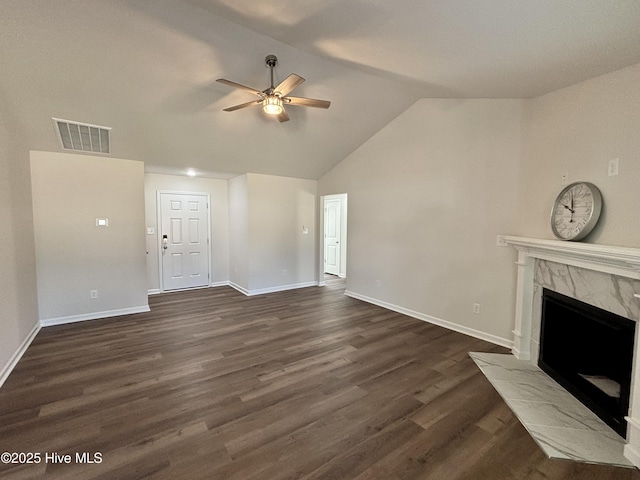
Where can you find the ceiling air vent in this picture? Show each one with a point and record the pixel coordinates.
(82, 137)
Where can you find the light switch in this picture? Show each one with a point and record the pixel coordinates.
(102, 222)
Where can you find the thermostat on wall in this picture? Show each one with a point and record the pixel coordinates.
(102, 222)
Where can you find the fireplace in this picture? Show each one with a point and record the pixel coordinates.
(604, 276)
(589, 351)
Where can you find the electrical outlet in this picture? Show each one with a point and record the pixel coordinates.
(565, 178)
(612, 169)
(476, 308)
(94, 293)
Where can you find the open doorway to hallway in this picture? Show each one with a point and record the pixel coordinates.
(334, 282)
(334, 236)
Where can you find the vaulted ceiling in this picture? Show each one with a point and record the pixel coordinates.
(148, 69)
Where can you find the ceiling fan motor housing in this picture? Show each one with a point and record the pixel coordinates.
(271, 60)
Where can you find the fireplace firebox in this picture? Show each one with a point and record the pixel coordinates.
(589, 351)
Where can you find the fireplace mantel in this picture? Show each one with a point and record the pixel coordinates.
(621, 261)
(612, 260)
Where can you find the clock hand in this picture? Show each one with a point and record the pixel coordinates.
(571, 201)
(571, 209)
(568, 208)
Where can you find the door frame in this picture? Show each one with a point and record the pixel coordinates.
(343, 197)
(159, 193)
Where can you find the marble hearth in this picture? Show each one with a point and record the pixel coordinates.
(561, 426)
(607, 277)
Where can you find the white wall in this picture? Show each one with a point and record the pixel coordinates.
(269, 249)
(428, 195)
(219, 218)
(75, 256)
(578, 130)
(18, 287)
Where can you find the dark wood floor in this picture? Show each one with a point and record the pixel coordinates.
(305, 384)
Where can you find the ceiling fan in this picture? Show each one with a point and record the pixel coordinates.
(273, 99)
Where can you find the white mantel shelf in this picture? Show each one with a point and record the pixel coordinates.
(622, 261)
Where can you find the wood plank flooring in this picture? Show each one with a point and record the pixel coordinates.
(299, 385)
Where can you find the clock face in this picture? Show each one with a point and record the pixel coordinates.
(576, 211)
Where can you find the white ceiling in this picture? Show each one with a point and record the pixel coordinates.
(148, 68)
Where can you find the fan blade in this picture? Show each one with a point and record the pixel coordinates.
(288, 84)
(283, 117)
(307, 102)
(241, 87)
(242, 105)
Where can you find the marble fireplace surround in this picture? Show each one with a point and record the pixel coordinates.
(601, 275)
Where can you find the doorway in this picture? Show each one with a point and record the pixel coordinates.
(335, 235)
(184, 240)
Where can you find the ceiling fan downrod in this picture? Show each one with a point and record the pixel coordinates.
(271, 61)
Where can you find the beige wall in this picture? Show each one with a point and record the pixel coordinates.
(428, 195)
(18, 287)
(75, 256)
(279, 209)
(269, 249)
(239, 232)
(578, 130)
(219, 218)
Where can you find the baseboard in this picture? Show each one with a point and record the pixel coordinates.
(249, 293)
(48, 322)
(503, 342)
(631, 451)
(279, 288)
(156, 291)
(632, 455)
(13, 361)
(282, 288)
(237, 287)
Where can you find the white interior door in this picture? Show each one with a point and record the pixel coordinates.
(332, 209)
(184, 242)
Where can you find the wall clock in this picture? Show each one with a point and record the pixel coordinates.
(576, 211)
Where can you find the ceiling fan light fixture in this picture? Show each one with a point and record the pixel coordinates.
(272, 104)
